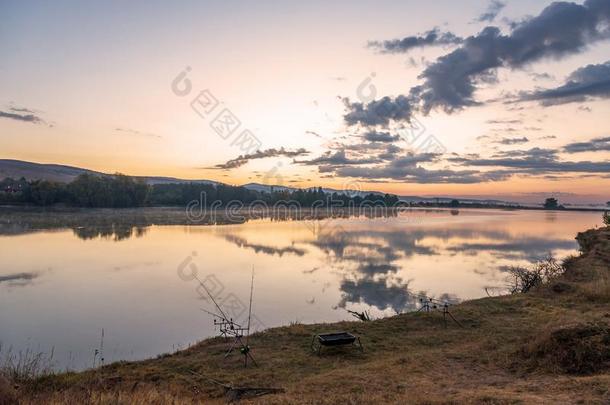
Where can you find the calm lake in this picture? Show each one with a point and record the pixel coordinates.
(60, 286)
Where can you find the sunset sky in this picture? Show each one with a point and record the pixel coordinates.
(483, 99)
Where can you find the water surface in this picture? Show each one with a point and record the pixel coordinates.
(59, 287)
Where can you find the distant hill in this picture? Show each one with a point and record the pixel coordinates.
(17, 169)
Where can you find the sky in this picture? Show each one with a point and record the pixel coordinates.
(482, 99)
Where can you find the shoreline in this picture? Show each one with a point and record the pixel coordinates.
(62, 209)
(543, 346)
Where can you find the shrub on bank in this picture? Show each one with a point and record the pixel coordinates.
(524, 279)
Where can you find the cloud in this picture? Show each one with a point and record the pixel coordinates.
(378, 159)
(374, 136)
(594, 145)
(22, 110)
(560, 29)
(430, 38)
(138, 133)
(18, 279)
(337, 158)
(367, 147)
(586, 83)
(406, 168)
(531, 249)
(512, 141)
(268, 153)
(314, 133)
(492, 11)
(378, 112)
(535, 161)
(381, 292)
(370, 151)
(418, 174)
(23, 115)
(506, 121)
(450, 83)
(266, 249)
(541, 76)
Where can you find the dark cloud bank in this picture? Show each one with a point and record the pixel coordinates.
(450, 83)
(584, 84)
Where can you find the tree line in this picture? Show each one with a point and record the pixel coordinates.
(120, 191)
(87, 190)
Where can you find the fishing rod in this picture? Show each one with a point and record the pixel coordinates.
(211, 297)
(436, 304)
(228, 327)
(247, 348)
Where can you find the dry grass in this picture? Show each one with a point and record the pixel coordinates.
(24, 365)
(523, 348)
(575, 349)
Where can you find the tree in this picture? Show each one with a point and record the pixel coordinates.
(118, 191)
(43, 192)
(454, 203)
(606, 218)
(551, 204)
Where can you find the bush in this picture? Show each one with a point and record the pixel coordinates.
(523, 279)
(606, 218)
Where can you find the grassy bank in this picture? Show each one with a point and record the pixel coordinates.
(551, 345)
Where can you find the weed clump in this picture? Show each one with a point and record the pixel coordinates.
(25, 365)
(8, 396)
(577, 349)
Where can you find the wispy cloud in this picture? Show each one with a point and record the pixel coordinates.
(535, 161)
(22, 110)
(314, 133)
(22, 114)
(138, 133)
(434, 37)
(374, 136)
(18, 279)
(337, 158)
(387, 162)
(504, 121)
(266, 249)
(512, 141)
(594, 145)
(268, 153)
(492, 11)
